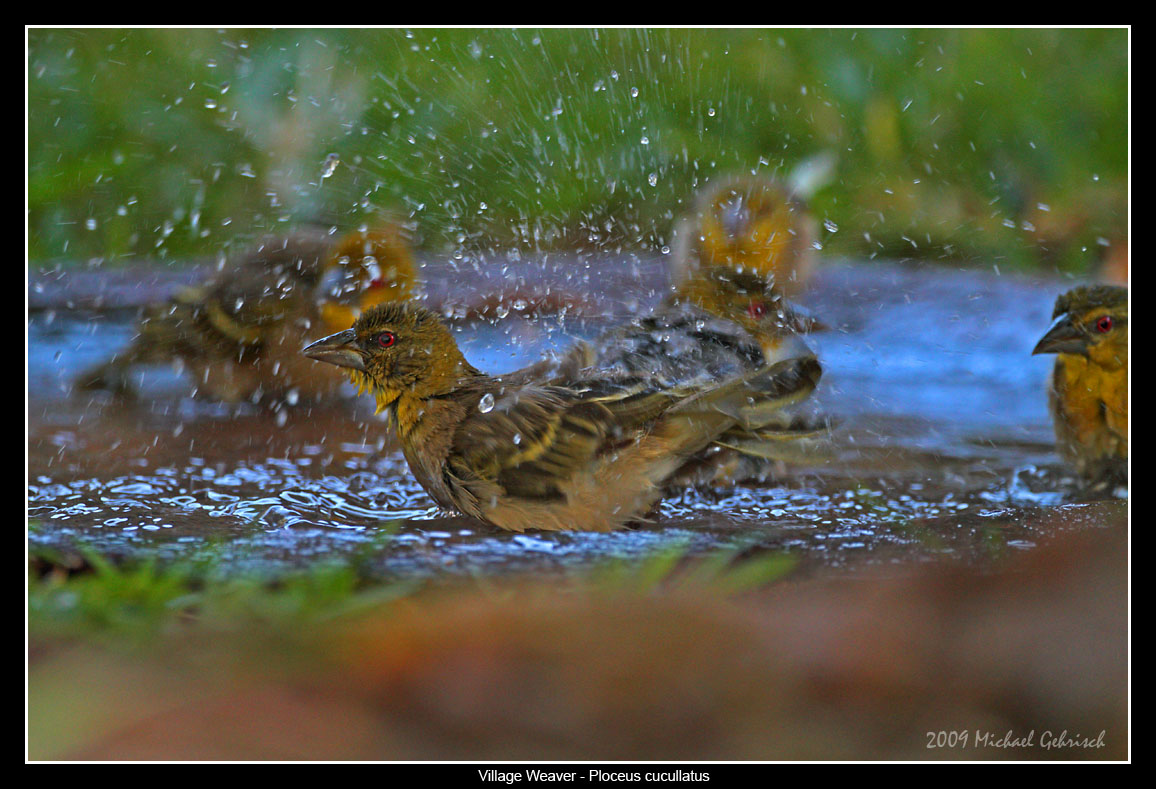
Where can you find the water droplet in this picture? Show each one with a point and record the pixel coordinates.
(486, 404)
(331, 162)
(831, 226)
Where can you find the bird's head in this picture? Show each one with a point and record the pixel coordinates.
(365, 268)
(748, 223)
(747, 298)
(394, 349)
(1090, 321)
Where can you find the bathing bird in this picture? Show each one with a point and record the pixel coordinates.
(1088, 390)
(588, 450)
(720, 323)
(238, 334)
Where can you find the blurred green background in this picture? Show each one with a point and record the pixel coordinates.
(992, 147)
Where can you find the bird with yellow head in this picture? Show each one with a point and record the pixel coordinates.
(238, 334)
(1088, 390)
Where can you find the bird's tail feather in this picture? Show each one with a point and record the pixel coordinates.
(747, 403)
(796, 442)
(757, 399)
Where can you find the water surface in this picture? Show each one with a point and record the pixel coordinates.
(943, 442)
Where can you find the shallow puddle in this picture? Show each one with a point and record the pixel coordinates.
(943, 442)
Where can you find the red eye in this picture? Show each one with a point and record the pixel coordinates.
(756, 309)
(385, 339)
(1104, 324)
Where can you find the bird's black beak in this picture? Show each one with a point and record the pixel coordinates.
(1062, 337)
(337, 349)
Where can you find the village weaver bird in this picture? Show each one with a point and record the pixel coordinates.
(719, 324)
(1088, 391)
(239, 333)
(748, 224)
(587, 451)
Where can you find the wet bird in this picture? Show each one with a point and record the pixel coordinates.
(590, 450)
(714, 322)
(719, 324)
(1088, 391)
(719, 319)
(748, 224)
(239, 333)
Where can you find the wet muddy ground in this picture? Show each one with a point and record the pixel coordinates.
(943, 444)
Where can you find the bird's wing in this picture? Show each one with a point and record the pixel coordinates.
(678, 345)
(554, 369)
(532, 441)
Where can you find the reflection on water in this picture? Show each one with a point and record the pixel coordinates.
(944, 445)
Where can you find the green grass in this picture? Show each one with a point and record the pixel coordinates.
(139, 600)
(176, 144)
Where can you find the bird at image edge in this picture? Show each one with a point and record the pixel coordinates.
(589, 451)
(1088, 390)
(239, 333)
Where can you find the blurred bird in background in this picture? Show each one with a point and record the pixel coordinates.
(239, 333)
(754, 224)
(366, 268)
(1088, 391)
(590, 449)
